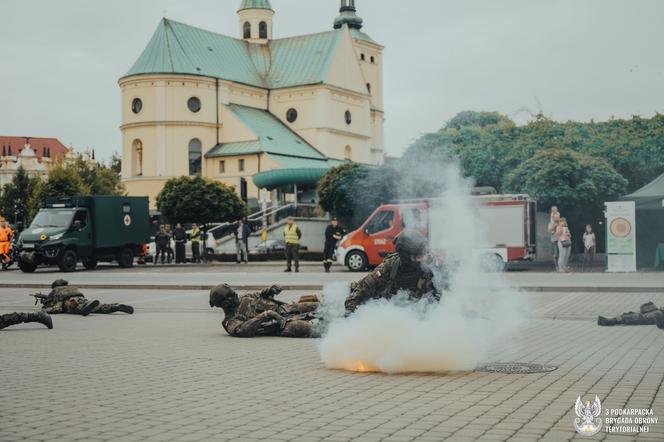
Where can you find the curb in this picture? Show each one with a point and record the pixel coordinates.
(304, 287)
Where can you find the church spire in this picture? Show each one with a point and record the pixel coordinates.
(347, 16)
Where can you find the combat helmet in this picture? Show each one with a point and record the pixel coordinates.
(410, 244)
(224, 296)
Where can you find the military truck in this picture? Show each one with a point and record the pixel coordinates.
(89, 229)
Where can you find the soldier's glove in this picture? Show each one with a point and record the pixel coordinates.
(271, 292)
(276, 317)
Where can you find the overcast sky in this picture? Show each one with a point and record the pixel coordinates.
(572, 59)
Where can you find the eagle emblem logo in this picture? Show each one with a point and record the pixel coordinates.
(588, 422)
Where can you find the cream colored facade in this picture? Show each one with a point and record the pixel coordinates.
(157, 139)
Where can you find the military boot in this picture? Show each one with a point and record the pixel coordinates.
(89, 308)
(42, 317)
(128, 309)
(659, 321)
(601, 320)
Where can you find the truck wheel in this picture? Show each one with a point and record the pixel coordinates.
(27, 267)
(492, 263)
(356, 261)
(68, 261)
(90, 264)
(126, 258)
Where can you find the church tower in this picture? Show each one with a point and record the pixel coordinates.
(347, 16)
(256, 21)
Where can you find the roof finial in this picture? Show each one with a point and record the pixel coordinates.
(347, 16)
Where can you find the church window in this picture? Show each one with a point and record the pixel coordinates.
(247, 30)
(137, 105)
(240, 165)
(291, 115)
(262, 30)
(222, 167)
(369, 87)
(137, 158)
(348, 153)
(362, 57)
(195, 156)
(348, 117)
(373, 59)
(194, 104)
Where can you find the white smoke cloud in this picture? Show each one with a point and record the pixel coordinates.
(478, 313)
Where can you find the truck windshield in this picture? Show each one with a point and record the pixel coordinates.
(53, 218)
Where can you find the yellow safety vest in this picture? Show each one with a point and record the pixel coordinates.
(196, 235)
(290, 234)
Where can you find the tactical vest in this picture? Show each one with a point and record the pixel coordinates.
(290, 234)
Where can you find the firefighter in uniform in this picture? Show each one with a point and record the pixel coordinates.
(195, 244)
(401, 271)
(292, 236)
(648, 314)
(259, 314)
(6, 234)
(333, 234)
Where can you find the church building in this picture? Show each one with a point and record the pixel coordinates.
(268, 116)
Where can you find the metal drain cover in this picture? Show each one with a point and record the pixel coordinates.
(515, 368)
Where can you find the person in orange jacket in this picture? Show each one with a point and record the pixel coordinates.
(6, 234)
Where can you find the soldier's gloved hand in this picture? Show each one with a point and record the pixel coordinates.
(277, 317)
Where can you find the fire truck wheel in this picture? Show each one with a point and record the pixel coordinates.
(492, 263)
(356, 261)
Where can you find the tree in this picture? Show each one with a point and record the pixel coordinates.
(20, 199)
(64, 180)
(199, 200)
(99, 179)
(352, 191)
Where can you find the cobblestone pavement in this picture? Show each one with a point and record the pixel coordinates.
(170, 373)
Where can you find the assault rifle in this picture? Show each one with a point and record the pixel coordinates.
(39, 297)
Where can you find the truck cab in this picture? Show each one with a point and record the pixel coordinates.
(367, 246)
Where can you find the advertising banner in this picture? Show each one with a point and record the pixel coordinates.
(621, 236)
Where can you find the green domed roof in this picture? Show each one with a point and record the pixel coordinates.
(255, 4)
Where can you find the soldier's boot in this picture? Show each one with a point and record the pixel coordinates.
(89, 308)
(19, 318)
(601, 320)
(299, 329)
(108, 309)
(659, 320)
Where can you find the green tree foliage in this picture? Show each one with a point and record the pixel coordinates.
(64, 180)
(352, 191)
(99, 179)
(199, 200)
(567, 179)
(19, 199)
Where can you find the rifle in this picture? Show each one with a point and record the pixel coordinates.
(39, 297)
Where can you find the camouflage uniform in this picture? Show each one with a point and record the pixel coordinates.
(19, 318)
(259, 314)
(65, 298)
(648, 314)
(406, 270)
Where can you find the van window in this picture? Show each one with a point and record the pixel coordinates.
(413, 218)
(381, 222)
(82, 217)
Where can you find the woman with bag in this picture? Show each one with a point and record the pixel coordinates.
(564, 245)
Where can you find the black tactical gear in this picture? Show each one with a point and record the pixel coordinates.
(223, 296)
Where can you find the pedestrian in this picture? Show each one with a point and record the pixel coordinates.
(6, 234)
(161, 241)
(180, 238)
(195, 243)
(552, 227)
(242, 241)
(333, 234)
(169, 247)
(589, 247)
(564, 238)
(292, 237)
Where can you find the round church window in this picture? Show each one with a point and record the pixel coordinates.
(194, 104)
(348, 117)
(291, 115)
(136, 105)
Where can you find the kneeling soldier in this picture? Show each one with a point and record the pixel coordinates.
(649, 315)
(65, 298)
(259, 314)
(20, 318)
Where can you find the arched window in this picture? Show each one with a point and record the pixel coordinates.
(373, 59)
(369, 87)
(247, 30)
(362, 57)
(137, 158)
(348, 153)
(195, 156)
(262, 30)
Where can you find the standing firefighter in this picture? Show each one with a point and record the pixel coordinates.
(648, 314)
(6, 234)
(259, 314)
(65, 298)
(20, 318)
(292, 236)
(401, 271)
(195, 244)
(333, 234)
